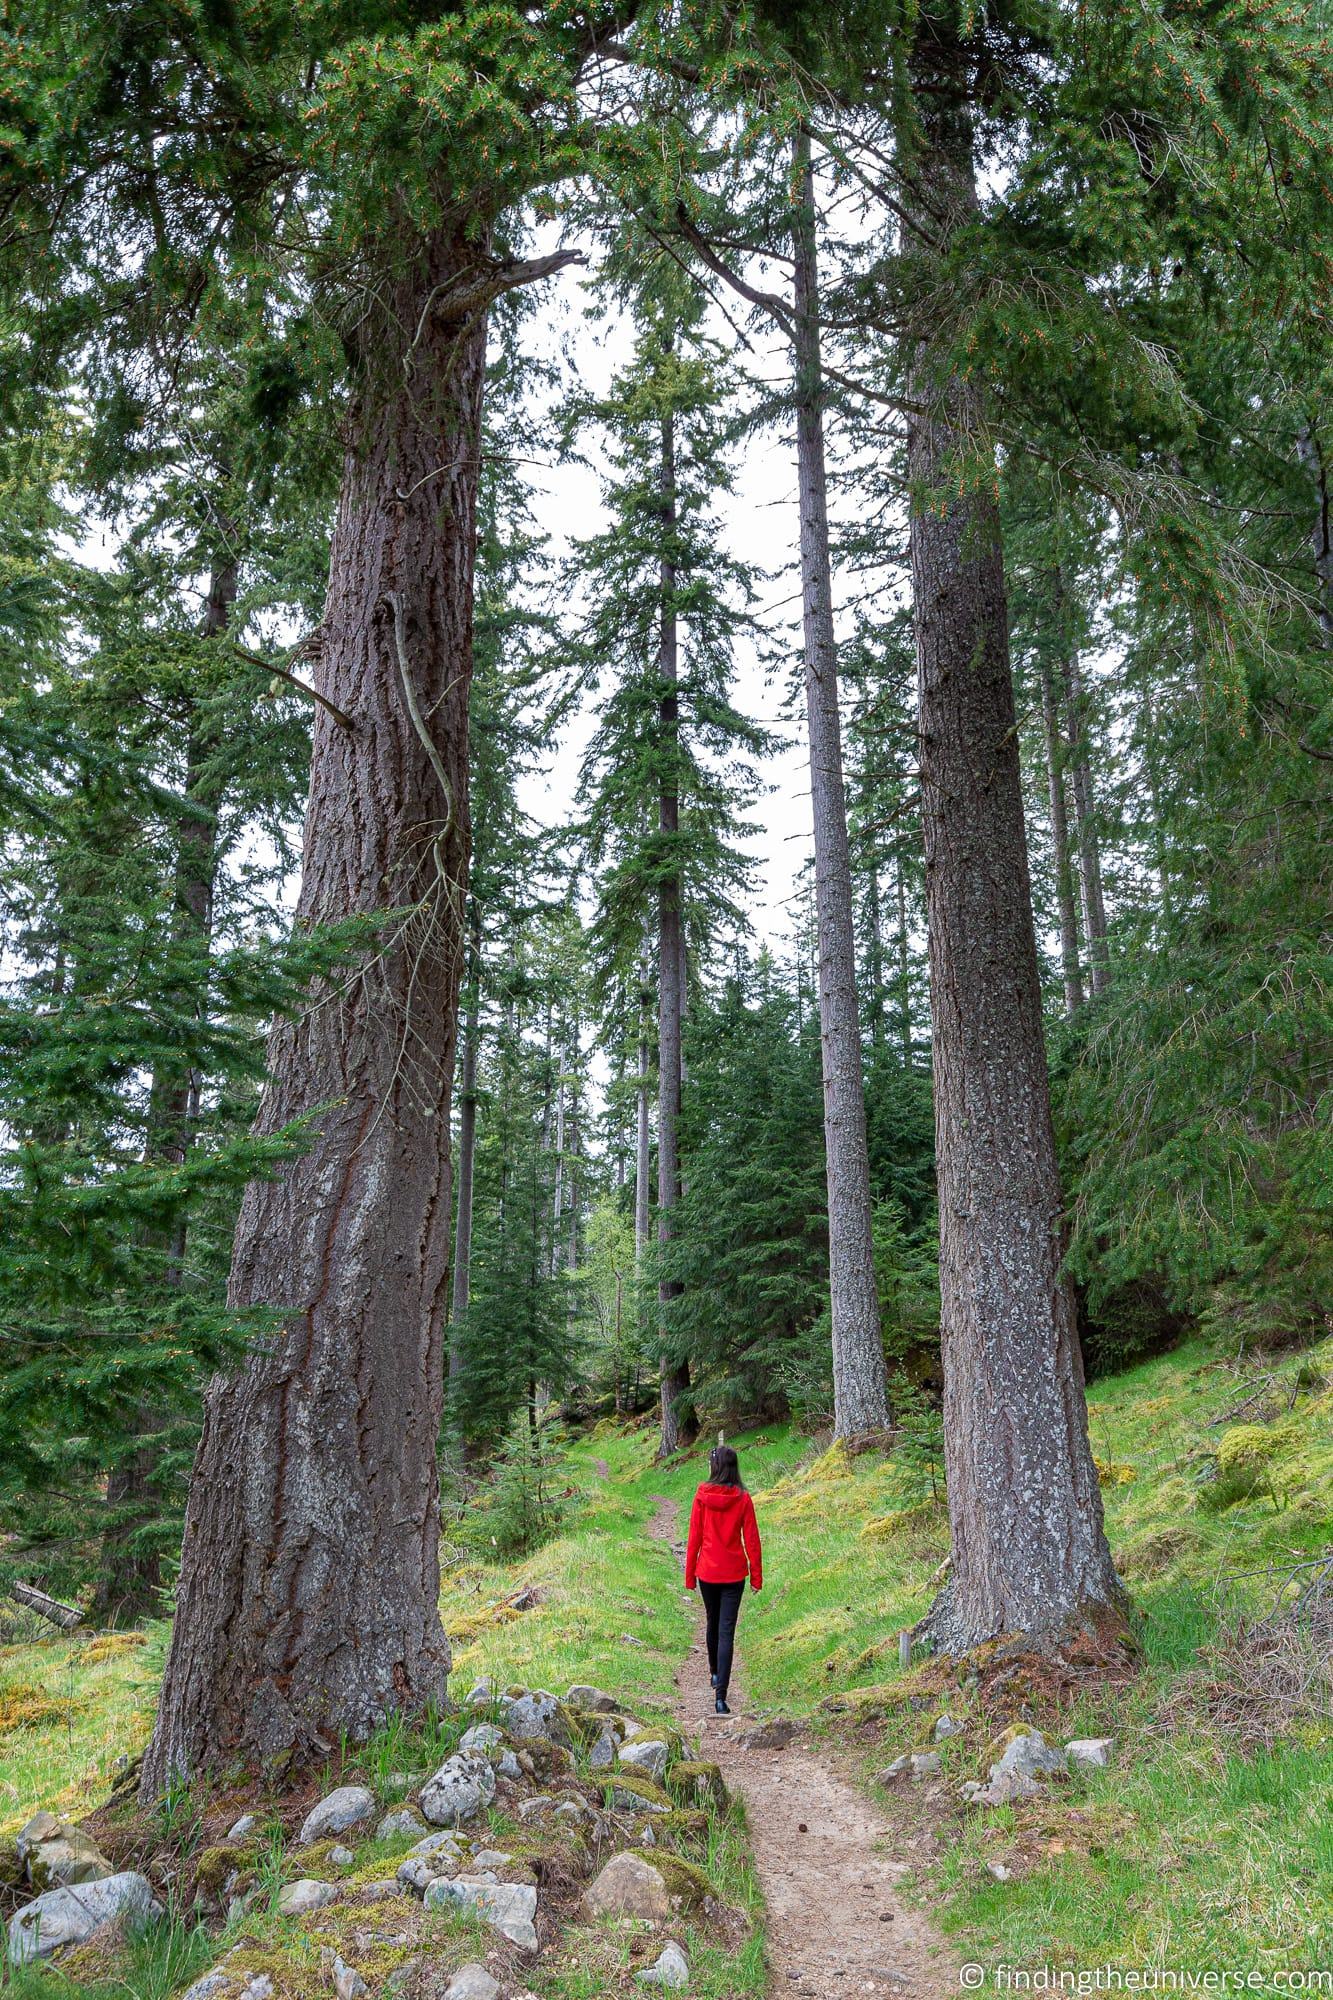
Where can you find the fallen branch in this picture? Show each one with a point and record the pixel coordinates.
(63, 1615)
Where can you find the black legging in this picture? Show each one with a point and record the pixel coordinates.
(722, 1602)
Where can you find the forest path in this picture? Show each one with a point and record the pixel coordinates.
(835, 1923)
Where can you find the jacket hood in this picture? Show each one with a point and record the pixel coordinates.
(719, 1496)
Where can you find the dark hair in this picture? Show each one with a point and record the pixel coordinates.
(724, 1467)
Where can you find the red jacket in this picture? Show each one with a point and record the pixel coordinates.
(724, 1538)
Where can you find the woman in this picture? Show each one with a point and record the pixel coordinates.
(722, 1550)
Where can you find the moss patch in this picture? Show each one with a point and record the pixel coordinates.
(699, 1781)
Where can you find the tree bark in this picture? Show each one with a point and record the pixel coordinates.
(307, 1605)
(904, 962)
(859, 1395)
(1085, 814)
(675, 1375)
(467, 1141)
(1070, 967)
(1310, 452)
(1029, 1553)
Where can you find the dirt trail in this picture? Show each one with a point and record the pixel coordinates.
(836, 1926)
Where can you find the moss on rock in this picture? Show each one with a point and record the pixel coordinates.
(685, 1880)
(215, 1866)
(639, 1784)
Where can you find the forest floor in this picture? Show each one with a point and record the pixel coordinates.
(1207, 1844)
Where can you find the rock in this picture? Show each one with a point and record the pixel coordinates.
(420, 1870)
(925, 1763)
(335, 1813)
(347, 1981)
(671, 1969)
(479, 1694)
(299, 1898)
(481, 1736)
(700, 1781)
(490, 1858)
(632, 1802)
(538, 1715)
(1091, 1753)
(64, 1858)
(438, 1843)
(472, 1982)
(214, 1982)
(628, 1886)
(603, 1751)
(395, 1825)
(946, 1726)
(509, 1766)
(68, 1916)
(775, 1735)
(509, 1906)
(258, 1987)
(458, 1791)
(534, 1808)
(892, 1771)
(596, 1699)
(1006, 1788)
(646, 1755)
(341, 1857)
(382, 1891)
(242, 1828)
(999, 1871)
(1031, 1756)
(42, 1826)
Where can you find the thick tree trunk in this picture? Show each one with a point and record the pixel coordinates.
(467, 1142)
(1070, 967)
(310, 1573)
(1029, 1554)
(1085, 814)
(130, 1578)
(859, 1397)
(675, 1374)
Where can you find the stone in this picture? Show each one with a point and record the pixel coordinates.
(1031, 1756)
(214, 1982)
(341, 1857)
(535, 1807)
(628, 1886)
(633, 1802)
(242, 1828)
(383, 1891)
(1006, 1788)
(258, 1987)
(490, 1858)
(646, 1755)
(472, 1982)
(892, 1771)
(999, 1871)
(335, 1813)
(479, 1694)
(1091, 1753)
(298, 1899)
(420, 1870)
(603, 1751)
(509, 1766)
(462, 1786)
(925, 1763)
(510, 1907)
(395, 1825)
(436, 1843)
(947, 1726)
(481, 1736)
(42, 1826)
(65, 1858)
(68, 1916)
(596, 1699)
(347, 1981)
(538, 1715)
(672, 1969)
(775, 1735)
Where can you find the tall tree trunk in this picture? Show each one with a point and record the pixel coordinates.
(1310, 451)
(859, 1397)
(642, 1135)
(130, 1578)
(467, 1141)
(308, 1599)
(1064, 874)
(675, 1375)
(1029, 1553)
(876, 966)
(1085, 814)
(904, 961)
